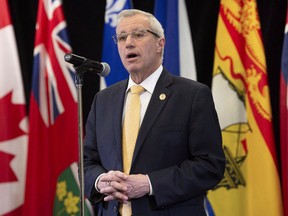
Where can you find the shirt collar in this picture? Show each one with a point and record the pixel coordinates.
(150, 82)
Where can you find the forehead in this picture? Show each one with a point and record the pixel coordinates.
(132, 23)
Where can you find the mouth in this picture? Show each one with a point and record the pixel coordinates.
(131, 56)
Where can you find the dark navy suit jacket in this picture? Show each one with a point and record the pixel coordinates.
(179, 146)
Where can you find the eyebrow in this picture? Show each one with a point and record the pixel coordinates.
(137, 29)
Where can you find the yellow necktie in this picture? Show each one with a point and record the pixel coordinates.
(131, 127)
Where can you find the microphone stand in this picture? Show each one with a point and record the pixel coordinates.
(79, 84)
(81, 66)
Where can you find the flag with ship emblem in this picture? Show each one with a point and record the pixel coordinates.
(240, 89)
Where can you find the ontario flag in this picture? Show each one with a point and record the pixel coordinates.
(110, 50)
(179, 54)
(13, 121)
(53, 142)
(240, 88)
(284, 118)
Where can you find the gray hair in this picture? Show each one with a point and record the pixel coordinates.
(155, 25)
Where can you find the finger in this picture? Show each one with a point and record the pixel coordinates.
(114, 176)
(120, 196)
(120, 175)
(116, 196)
(109, 198)
(119, 186)
(107, 190)
(108, 183)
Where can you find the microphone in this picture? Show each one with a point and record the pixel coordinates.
(101, 68)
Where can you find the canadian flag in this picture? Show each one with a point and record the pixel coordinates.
(13, 121)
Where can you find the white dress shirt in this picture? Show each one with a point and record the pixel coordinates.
(149, 85)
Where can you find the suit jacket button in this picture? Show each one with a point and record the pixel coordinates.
(115, 209)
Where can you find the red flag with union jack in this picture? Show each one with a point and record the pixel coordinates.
(13, 121)
(53, 144)
(284, 118)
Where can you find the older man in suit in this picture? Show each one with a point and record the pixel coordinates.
(176, 154)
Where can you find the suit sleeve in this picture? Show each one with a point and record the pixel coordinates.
(92, 163)
(205, 165)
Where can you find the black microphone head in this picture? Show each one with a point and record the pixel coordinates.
(67, 57)
(74, 59)
(105, 70)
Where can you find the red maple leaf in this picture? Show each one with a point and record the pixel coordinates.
(10, 117)
(6, 174)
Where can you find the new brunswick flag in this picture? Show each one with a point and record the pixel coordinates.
(251, 184)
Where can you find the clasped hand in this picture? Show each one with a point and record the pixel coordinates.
(117, 185)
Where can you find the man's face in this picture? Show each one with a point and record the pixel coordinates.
(140, 53)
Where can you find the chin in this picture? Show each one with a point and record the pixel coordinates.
(132, 68)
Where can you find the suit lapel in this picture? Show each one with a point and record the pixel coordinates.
(118, 97)
(159, 98)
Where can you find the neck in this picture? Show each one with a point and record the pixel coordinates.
(140, 76)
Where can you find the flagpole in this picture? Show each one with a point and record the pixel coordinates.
(79, 84)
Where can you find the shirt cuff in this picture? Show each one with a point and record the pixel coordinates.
(96, 182)
(150, 186)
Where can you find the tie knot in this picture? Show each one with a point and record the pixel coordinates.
(136, 89)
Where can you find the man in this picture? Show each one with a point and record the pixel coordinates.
(178, 154)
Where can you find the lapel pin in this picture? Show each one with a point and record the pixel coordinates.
(162, 97)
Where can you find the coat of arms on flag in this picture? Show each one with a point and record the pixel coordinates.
(242, 100)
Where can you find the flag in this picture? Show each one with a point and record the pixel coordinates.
(53, 140)
(284, 118)
(178, 53)
(65, 202)
(110, 50)
(240, 89)
(13, 121)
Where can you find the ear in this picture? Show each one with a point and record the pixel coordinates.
(160, 44)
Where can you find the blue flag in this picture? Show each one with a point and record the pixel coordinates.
(109, 51)
(178, 54)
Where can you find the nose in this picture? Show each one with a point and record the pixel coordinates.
(129, 41)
